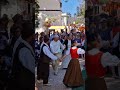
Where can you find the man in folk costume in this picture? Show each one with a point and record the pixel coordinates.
(56, 47)
(23, 64)
(45, 57)
(96, 63)
(73, 75)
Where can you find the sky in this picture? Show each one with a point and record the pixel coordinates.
(70, 6)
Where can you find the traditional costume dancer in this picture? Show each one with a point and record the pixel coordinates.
(96, 63)
(73, 75)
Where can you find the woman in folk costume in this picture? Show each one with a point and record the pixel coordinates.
(67, 56)
(96, 63)
(73, 75)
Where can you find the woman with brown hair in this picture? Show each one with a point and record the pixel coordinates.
(73, 75)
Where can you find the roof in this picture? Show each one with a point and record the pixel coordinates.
(57, 27)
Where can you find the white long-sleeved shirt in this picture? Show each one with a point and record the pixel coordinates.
(26, 56)
(56, 46)
(79, 51)
(107, 59)
(47, 52)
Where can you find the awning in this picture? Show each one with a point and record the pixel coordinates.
(57, 27)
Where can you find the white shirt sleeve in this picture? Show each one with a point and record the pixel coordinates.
(83, 42)
(108, 59)
(67, 52)
(80, 51)
(48, 53)
(62, 46)
(52, 48)
(27, 59)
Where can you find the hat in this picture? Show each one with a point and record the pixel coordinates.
(56, 36)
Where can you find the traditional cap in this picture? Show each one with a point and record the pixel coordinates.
(56, 36)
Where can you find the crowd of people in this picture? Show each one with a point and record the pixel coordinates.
(103, 46)
(99, 43)
(21, 50)
(56, 48)
(17, 60)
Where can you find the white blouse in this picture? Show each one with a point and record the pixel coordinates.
(107, 59)
(79, 51)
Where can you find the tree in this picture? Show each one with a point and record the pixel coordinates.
(36, 13)
(82, 9)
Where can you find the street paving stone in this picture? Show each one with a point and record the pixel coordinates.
(56, 81)
(57, 84)
(112, 84)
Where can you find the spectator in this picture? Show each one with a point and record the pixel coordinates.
(23, 66)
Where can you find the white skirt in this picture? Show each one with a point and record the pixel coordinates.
(66, 61)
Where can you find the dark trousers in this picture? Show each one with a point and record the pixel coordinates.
(43, 72)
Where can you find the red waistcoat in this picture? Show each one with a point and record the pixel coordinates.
(74, 53)
(94, 67)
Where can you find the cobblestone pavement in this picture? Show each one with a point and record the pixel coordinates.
(113, 84)
(56, 81)
(57, 84)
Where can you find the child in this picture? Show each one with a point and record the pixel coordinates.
(96, 63)
(73, 75)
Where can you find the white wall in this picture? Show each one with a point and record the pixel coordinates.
(14, 7)
(51, 5)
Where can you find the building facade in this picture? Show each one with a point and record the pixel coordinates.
(52, 9)
(49, 9)
(23, 7)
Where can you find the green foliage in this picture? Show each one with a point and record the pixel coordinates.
(82, 12)
(36, 13)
